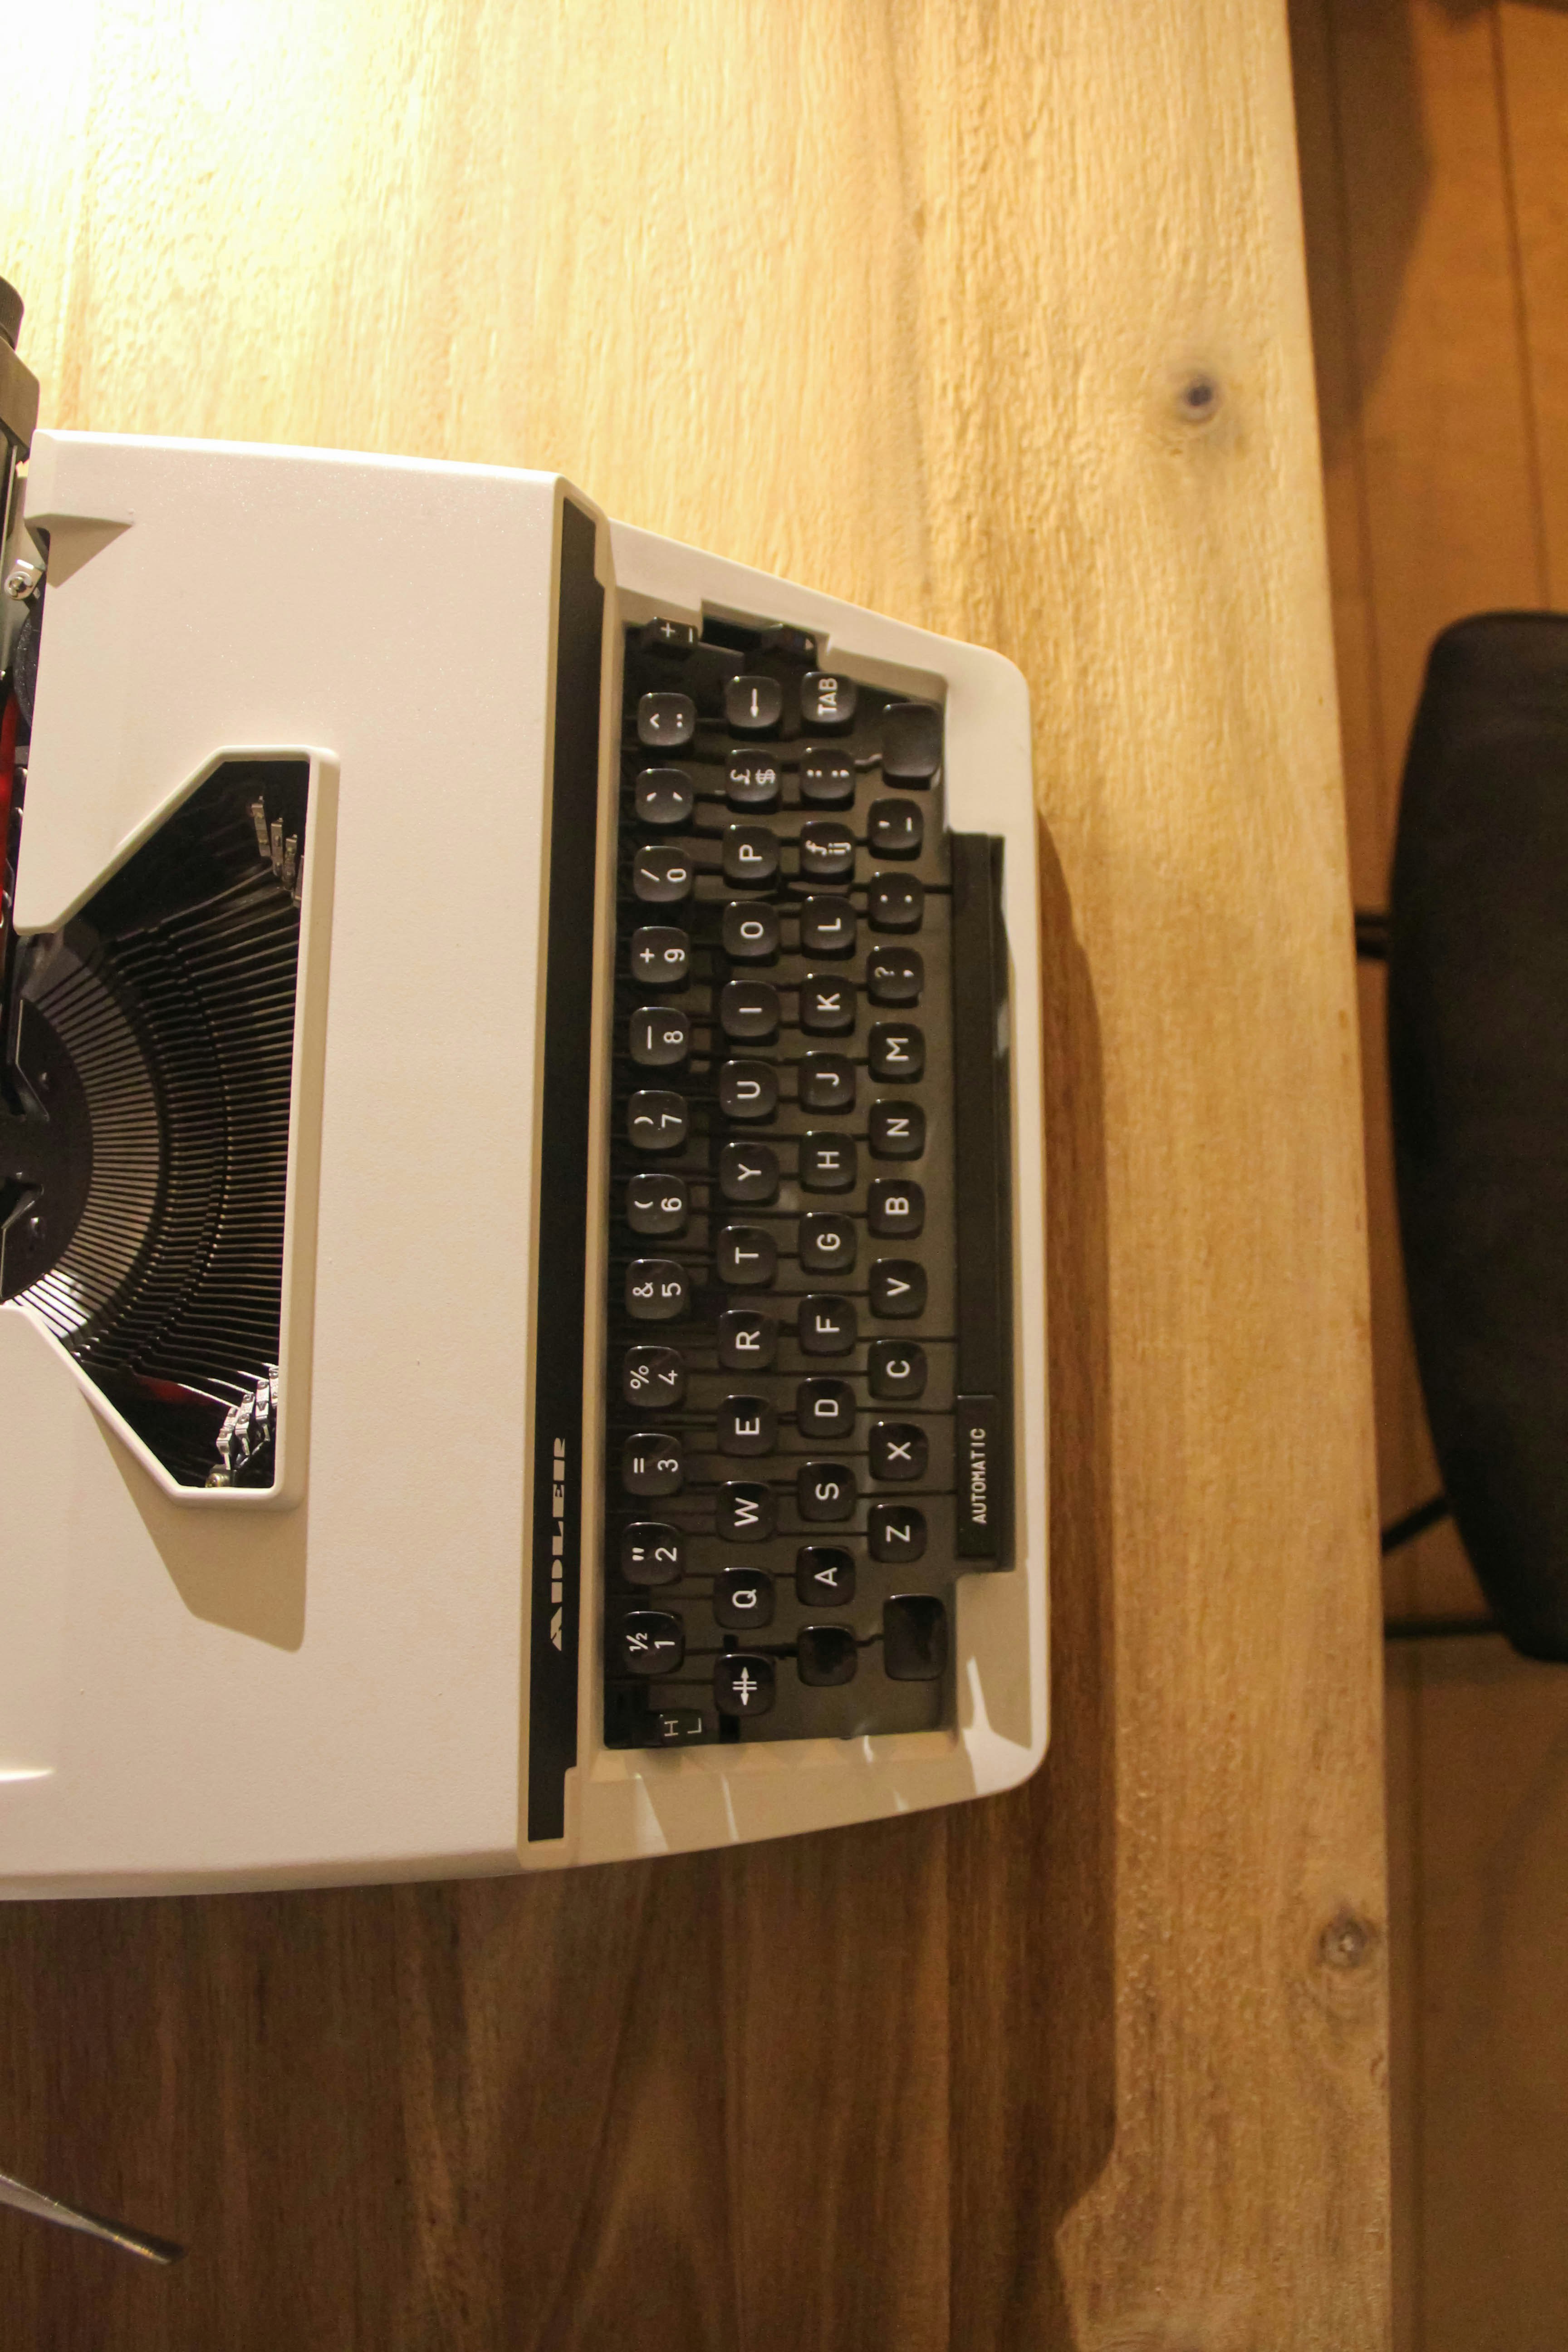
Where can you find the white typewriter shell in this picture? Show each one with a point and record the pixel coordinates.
(334, 1688)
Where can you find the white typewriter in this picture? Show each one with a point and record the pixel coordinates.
(521, 1191)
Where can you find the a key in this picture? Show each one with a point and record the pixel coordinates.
(652, 1463)
(652, 1553)
(825, 1409)
(745, 1511)
(824, 1576)
(749, 932)
(657, 1204)
(896, 1533)
(748, 1089)
(914, 1638)
(826, 698)
(895, 829)
(747, 1256)
(895, 1208)
(827, 1004)
(896, 1052)
(825, 1490)
(749, 1011)
(897, 1369)
(753, 705)
(742, 1600)
(899, 1449)
(751, 854)
(660, 956)
(654, 1376)
(659, 1036)
(655, 1121)
(650, 1642)
(747, 1340)
(827, 1325)
(747, 1424)
(897, 1288)
(895, 975)
(896, 1130)
(749, 1173)
(666, 722)
(895, 902)
(743, 1683)
(826, 1243)
(661, 874)
(656, 1290)
(827, 1082)
(752, 780)
(664, 796)
(825, 1656)
(827, 850)
(828, 1163)
(827, 779)
(911, 742)
(826, 926)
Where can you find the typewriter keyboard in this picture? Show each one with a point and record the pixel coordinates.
(808, 1419)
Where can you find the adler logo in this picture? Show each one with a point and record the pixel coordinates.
(558, 1541)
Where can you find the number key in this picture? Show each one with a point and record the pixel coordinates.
(660, 1036)
(657, 1204)
(655, 1121)
(660, 956)
(653, 1376)
(656, 1290)
(661, 874)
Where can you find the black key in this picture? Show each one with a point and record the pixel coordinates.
(654, 1376)
(752, 780)
(747, 1256)
(825, 1490)
(666, 721)
(660, 1036)
(895, 975)
(828, 1326)
(914, 1638)
(828, 1163)
(655, 1121)
(743, 1683)
(825, 1409)
(826, 1243)
(661, 874)
(677, 1727)
(895, 1208)
(896, 1533)
(748, 1339)
(748, 1089)
(895, 829)
(652, 1553)
(660, 956)
(911, 742)
(824, 1576)
(827, 1082)
(900, 1449)
(827, 779)
(751, 933)
(650, 1642)
(791, 645)
(897, 1369)
(657, 1204)
(747, 1424)
(656, 1290)
(665, 796)
(826, 926)
(742, 1600)
(825, 1656)
(751, 854)
(749, 1011)
(827, 850)
(749, 1173)
(652, 1463)
(896, 1130)
(896, 1050)
(752, 705)
(662, 637)
(897, 1288)
(827, 1004)
(895, 902)
(826, 698)
(746, 1512)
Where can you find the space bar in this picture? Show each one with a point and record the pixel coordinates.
(984, 1411)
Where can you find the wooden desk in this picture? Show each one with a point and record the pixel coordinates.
(992, 316)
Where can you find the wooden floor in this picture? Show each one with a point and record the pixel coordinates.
(1434, 138)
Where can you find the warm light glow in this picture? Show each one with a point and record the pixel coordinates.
(26, 1771)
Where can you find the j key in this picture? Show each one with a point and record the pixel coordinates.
(660, 1036)
(747, 1340)
(828, 1163)
(897, 1050)
(652, 1464)
(650, 1642)
(660, 956)
(749, 1011)
(827, 699)
(747, 1256)
(827, 1004)
(828, 1326)
(825, 1409)
(751, 854)
(749, 932)
(656, 1290)
(895, 975)
(662, 637)
(666, 722)
(895, 1533)
(742, 1600)
(747, 1424)
(914, 1638)
(661, 875)
(749, 1173)
(827, 1082)
(743, 1683)
(825, 1490)
(899, 1450)
(826, 926)
(896, 1130)
(895, 829)
(911, 742)
(823, 1577)
(897, 1370)
(827, 779)
(748, 1089)
(752, 780)
(895, 902)
(655, 1121)
(895, 1208)
(753, 705)
(827, 850)
(652, 1553)
(825, 1656)
(746, 1512)
(657, 1204)
(654, 1376)
(827, 1245)
(665, 796)
(897, 1288)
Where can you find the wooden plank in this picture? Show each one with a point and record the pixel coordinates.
(1534, 47)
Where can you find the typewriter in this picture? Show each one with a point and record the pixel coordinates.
(522, 1202)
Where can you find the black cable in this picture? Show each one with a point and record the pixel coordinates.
(1416, 1522)
(1372, 935)
(1437, 1629)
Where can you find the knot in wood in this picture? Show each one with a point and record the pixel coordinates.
(1347, 1941)
(1198, 397)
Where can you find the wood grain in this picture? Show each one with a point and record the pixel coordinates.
(909, 301)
